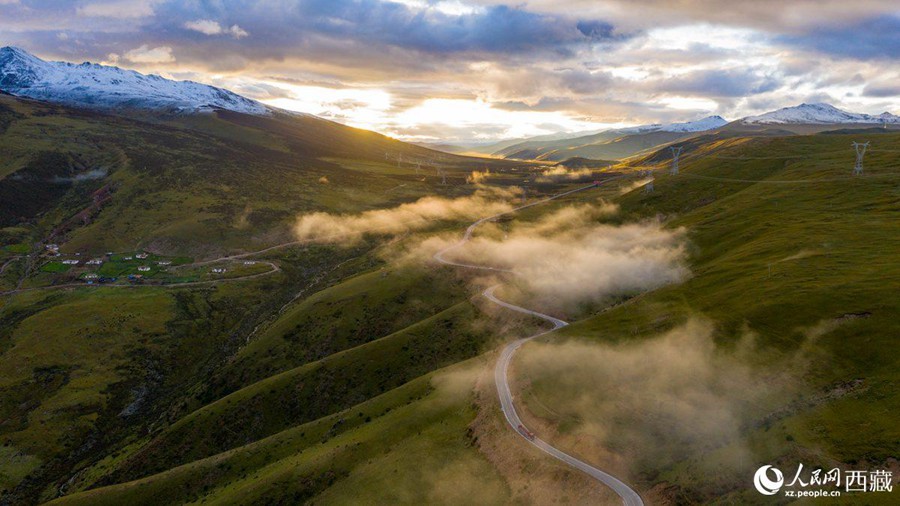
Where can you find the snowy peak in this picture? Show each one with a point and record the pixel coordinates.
(17, 68)
(700, 125)
(105, 87)
(818, 114)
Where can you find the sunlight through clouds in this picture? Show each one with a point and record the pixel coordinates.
(359, 107)
(477, 70)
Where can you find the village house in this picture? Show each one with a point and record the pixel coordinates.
(141, 255)
(164, 262)
(218, 270)
(70, 262)
(144, 268)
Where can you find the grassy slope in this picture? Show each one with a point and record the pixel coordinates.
(343, 316)
(200, 185)
(776, 260)
(319, 388)
(402, 434)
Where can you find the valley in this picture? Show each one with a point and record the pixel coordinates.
(206, 299)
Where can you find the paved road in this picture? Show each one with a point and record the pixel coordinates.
(501, 370)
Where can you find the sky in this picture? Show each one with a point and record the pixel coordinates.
(483, 70)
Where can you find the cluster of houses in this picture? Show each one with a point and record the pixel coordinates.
(52, 250)
(75, 261)
(93, 277)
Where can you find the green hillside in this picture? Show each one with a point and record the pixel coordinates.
(334, 372)
(199, 185)
(794, 267)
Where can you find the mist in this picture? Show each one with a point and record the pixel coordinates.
(350, 228)
(634, 185)
(478, 177)
(568, 258)
(560, 173)
(656, 401)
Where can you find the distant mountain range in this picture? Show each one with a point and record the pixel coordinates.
(624, 142)
(607, 144)
(818, 114)
(104, 87)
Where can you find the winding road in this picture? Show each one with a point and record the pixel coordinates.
(501, 370)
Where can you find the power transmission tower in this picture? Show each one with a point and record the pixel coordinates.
(443, 177)
(648, 188)
(418, 166)
(676, 152)
(860, 148)
(399, 159)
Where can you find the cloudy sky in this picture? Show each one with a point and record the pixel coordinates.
(485, 69)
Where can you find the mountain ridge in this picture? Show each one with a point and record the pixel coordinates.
(92, 85)
(819, 113)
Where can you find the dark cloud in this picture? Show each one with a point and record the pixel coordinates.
(774, 16)
(882, 90)
(494, 29)
(873, 38)
(720, 83)
(351, 31)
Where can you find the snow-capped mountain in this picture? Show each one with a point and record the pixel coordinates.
(819, 114)
(105, 87)
(700, 125)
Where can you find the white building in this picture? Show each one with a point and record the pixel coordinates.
(144, 268)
